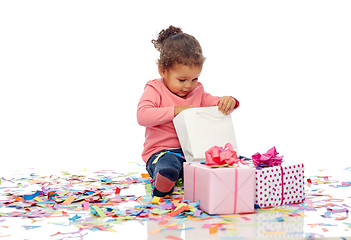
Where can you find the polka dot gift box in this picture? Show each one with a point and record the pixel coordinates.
(279, 185)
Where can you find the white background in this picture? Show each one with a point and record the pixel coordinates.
(72, 73)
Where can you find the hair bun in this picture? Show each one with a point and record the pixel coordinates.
(164, 34)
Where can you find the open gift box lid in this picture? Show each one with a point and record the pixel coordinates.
(199, 129)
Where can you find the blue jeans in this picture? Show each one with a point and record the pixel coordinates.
(170, 158)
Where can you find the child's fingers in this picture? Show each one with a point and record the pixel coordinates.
(222, 106)
(226, 105)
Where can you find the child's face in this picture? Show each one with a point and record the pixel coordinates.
(181, 79)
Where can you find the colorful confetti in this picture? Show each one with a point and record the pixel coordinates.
(101, 201)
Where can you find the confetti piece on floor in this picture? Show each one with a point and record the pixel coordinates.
(74, 218)
(31, 196)
(155, 200)
(69, 200)
(302, 214)
(155, 231)
(178, 211)
(30, 227)
(318, 181)
(38, 199)
(213, 229)
(86, 206)
(273, 233)
(145, 175)
(197, 213)
(173, 237)
(99, 211)
(171, 224)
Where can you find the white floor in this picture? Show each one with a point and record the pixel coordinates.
(254, 226)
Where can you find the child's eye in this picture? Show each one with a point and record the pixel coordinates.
(195, 79)
(181, 80)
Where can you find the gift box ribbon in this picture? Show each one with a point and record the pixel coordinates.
(281, 170)
(221, 156)
(268, 159)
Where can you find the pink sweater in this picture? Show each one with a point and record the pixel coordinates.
(156, 112)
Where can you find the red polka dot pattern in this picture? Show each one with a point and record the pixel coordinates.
(272, 186)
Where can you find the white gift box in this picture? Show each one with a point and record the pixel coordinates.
(199, 129)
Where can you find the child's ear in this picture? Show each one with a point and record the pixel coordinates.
(161, 71)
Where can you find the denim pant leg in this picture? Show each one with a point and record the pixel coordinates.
(169, 159)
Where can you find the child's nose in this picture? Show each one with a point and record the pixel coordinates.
(187, 86)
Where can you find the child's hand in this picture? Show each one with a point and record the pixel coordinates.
(226, 105)
(178, 109)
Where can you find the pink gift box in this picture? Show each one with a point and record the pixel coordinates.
(280, 185)
(226, 190)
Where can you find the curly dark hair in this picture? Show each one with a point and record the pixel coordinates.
(177, 47)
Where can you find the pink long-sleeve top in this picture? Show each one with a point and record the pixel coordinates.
(156, 112)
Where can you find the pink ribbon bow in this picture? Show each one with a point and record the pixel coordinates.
(219, 156)
(268, 159)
